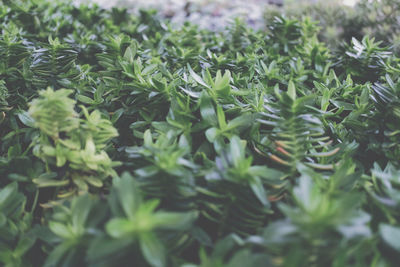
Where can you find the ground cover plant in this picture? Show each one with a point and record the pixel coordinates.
(127, 143)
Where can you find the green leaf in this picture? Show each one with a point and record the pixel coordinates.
(81, 207)
(212, 134)
(258, 189)
(26, 119)
(221, 117)
(241, 121)
(130, 52)
(85, 99)
(391, 235)
(128, 194)
(57, 255)
(44, 182)
(292, 90)
(7, 193)
(174, 220)
(148, 139)
(221, 84)
(325, 100)
(119, 227)
(60, 230)
(196, 77)
(24, 244)
(117, 114)
(152, 249)
(304, 191)
(237, 149)
(207, 110)
(94, 181)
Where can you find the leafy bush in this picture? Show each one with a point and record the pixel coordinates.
(126, 142)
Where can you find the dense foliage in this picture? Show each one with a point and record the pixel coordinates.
(377, 18)
(127, 143)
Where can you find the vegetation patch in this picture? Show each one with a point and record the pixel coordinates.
(125, 142)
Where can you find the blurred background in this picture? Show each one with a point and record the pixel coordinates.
(339, 20)
(214, 14)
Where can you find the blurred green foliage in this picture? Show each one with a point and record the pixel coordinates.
(340, 23)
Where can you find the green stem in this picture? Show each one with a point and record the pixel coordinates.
(35, 200)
